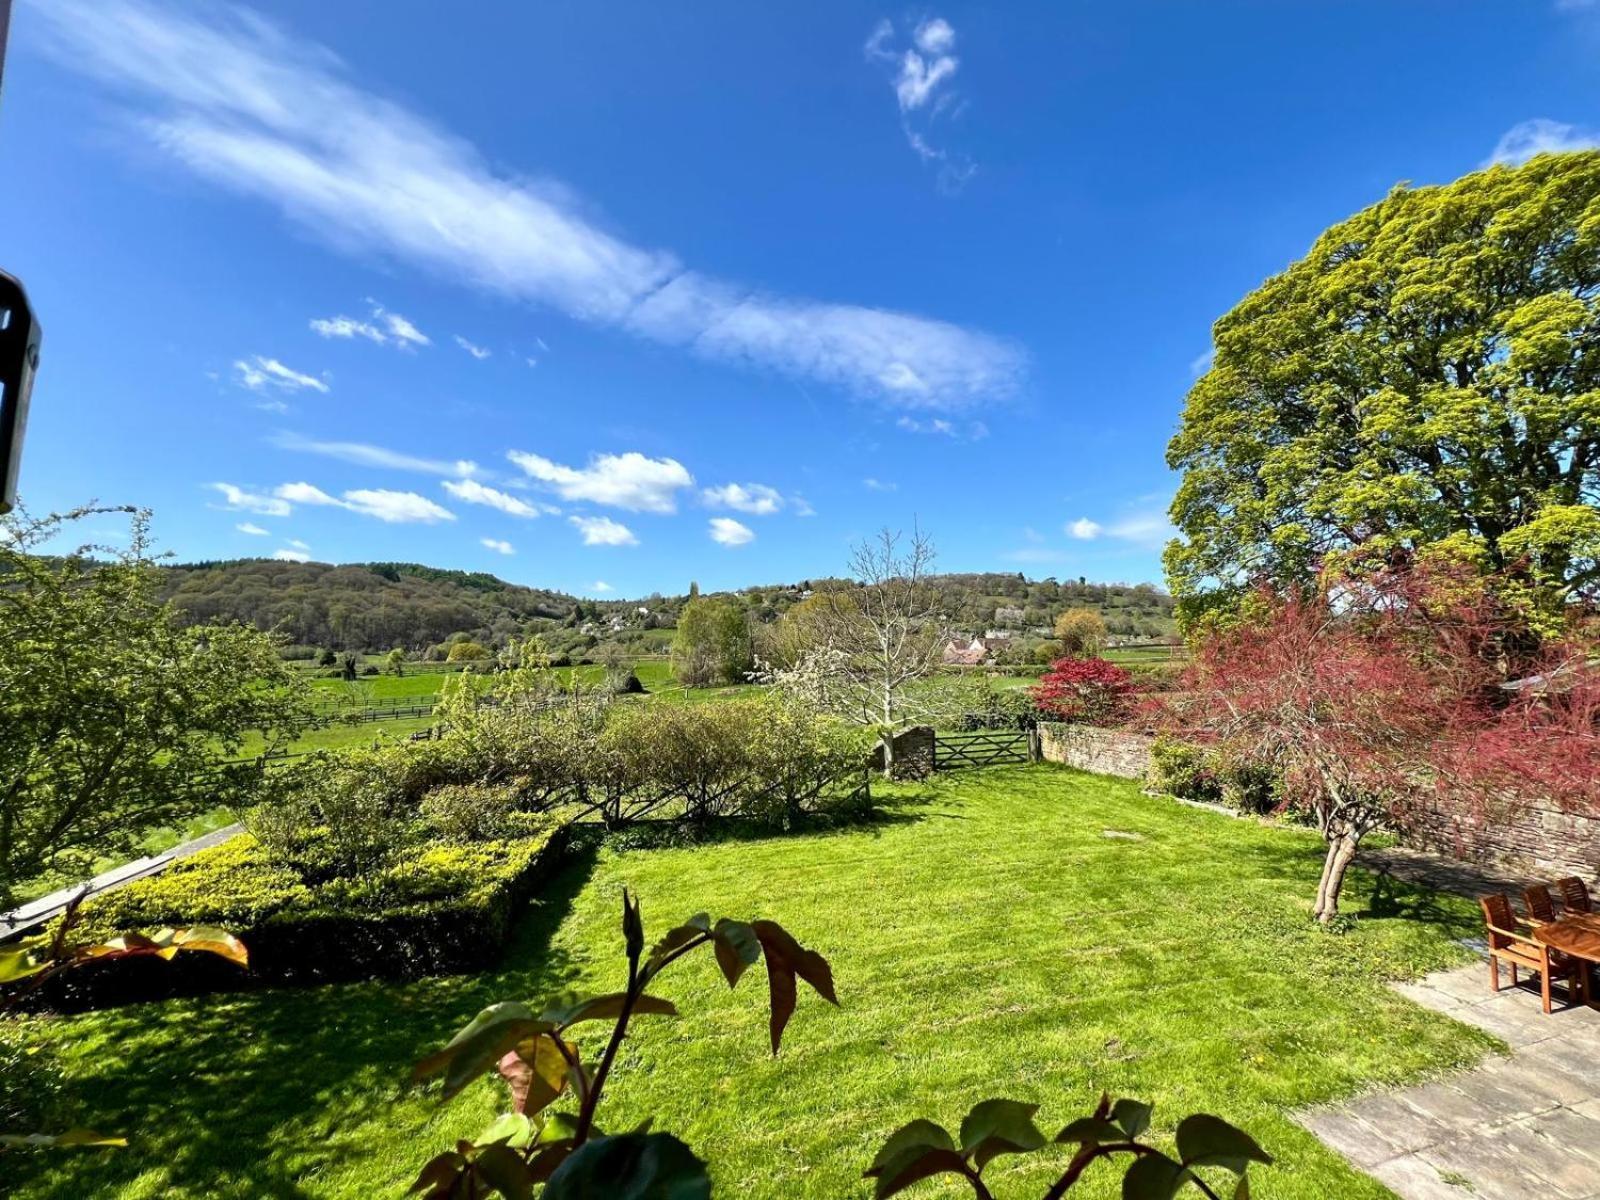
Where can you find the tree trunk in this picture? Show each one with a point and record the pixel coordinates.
(887, 740)
(1341, 852)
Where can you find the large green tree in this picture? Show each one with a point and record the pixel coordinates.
(113, 716)
(712, 644)
(1427, 376)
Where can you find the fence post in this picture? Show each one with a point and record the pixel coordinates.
(1035, 746)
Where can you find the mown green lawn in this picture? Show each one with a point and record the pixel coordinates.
(987, 937)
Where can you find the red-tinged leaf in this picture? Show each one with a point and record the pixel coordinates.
(737, 948)
(807, 964)
(437, 1179)
(479, 1046)
(213, 941)
(536, 1071)
(915, 1165)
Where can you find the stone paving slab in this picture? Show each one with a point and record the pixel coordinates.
(1521, 1126)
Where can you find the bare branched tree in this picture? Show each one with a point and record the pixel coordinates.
(863, 649)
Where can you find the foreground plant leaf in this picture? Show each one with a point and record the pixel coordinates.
(630, 1166)
(786, 959)
(479, 1046)
(914, 1152)
(1153, 1177)
(996, 1127)
(1208, 1141)
(536, 1071)
(568, 1009)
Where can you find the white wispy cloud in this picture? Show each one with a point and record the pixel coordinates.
(472, 492)
(1540, 136)
(1142, 523)
(600, 585)
(631, 481)
(238, 101)
(251, 528)
(499, 547)
(478, 352)
(364, 454)
(921, 72)
(259, 373)
(294, 556)
(1201, 363)
(385, 328)
(757, 499)
(603, 531)
(879, 485)
(802, 507)
(238, 499)
(725, 531)
(395, 508)
(298, 544)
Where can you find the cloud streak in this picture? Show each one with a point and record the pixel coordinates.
(362, 454)
(1540, 136)
(246, 106)
(629, 481)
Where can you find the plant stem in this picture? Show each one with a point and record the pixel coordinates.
(630, 998)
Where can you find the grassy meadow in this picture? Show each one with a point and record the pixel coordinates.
(1028, 932)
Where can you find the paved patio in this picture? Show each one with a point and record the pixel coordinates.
(1523, 1126)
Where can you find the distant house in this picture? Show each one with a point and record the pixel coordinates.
(1008, 616)
(962, 652)
(998, 635)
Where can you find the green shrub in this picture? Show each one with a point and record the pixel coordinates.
(462, 812)
(30, 1076)
(1194, 773)
(443, 908)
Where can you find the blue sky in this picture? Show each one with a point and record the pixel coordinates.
(605, 297)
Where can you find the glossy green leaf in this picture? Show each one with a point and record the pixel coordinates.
(995, 1127)
(1092, 1131)
(1153, 1177)
(737, 948)
(1207, 1141)
(919, 1134)
(630, 1166)
(513, 1129)
(1131, 1116)
(558, 1126)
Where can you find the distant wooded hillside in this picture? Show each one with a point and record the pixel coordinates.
(376, 606)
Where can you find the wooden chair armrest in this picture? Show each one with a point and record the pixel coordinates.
(1520, 937)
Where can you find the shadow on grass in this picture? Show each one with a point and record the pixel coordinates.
(245, 1094)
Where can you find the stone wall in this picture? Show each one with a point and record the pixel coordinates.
(1103, 751)
(913, 752)
(1540, 841)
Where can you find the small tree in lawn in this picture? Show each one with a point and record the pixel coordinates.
(1084, 691)
(1377, 699)
(868, 646)
(395, 662)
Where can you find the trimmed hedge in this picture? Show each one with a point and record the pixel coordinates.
(445, 908)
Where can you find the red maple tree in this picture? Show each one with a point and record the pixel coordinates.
(1381, 699)
(1086, 691)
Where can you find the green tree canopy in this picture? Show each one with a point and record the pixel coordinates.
(712, 644)
(112, 716)
(1427, 377)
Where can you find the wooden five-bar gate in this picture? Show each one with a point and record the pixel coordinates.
(954, 750)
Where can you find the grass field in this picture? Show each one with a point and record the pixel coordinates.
(987, 937)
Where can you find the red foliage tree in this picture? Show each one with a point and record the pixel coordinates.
(1380, 699)
(1087, 691)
